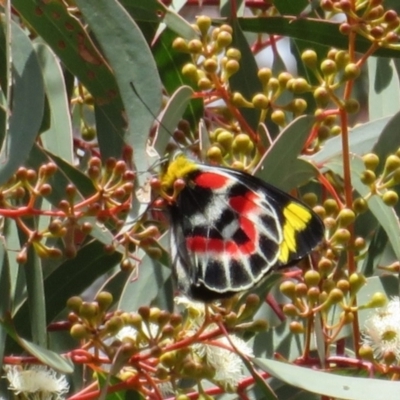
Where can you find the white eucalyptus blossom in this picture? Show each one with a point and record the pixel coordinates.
(228, 366)
(382, 330)
(196, 309)
(149, 332)
(37, 382)
(165, 388)
(126, 332)
(221, 356)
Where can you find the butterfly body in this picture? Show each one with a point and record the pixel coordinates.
(229, 229)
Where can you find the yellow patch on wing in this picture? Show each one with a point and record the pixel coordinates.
(296, 220)
(177, 169)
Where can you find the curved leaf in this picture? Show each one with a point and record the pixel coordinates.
(36, 299)
(58, 139)
(312, 31)
(124, 44)
(5, 295)
(281, 166)
(71, 278)
(385, 98)
(172, 114)
(389, 140)
(327, 384)
(245, 81)
(384, 214)
(27, 104)
(362, 139)
(47, 357)
(143, 289)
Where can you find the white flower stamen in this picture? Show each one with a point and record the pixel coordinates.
(382, 330)
(37, 380)
(221, 356)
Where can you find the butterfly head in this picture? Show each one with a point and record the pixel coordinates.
(177, 170)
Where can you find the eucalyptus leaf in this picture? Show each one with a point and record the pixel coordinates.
(280, 165)
(362, 139)
(329, 384)
(384, 214)
(109, 20)
(47, 357)
(384, 93)
(5, 295)
(27, 104)
(58, 139)
(245, 81)
(144, 285)
(312, 31)
(171, 115)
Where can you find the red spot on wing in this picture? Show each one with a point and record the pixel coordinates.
(203, 245)
(249, 228)
(244, 204)
(197, 244)
(211, 180)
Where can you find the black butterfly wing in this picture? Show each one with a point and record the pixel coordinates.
(230, 228)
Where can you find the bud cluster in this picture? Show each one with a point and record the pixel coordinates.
(331, 73)
(338, 221)
(368, 19)
(171, 344)
(381, 181)
(213, 61)
(113, 187)
(92, 323)
(236, 151)
(331, 295)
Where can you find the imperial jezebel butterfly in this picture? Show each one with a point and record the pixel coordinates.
(229, 229)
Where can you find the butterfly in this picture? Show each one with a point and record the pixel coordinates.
(229, 229)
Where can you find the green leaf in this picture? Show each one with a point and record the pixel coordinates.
(110, 134)
(388, 142)
(156, 12)
(170, 62)
(384, 98)
(124, 44)
(311, 30)
(362, 138)
(70, 41)
(106, 380)
(172, 114)
(385, 215)
(17, 286)
(228, 9)
(58, 139)
(36, 300)
(376, 248)
(328, 384)
(280, 166)
(262, 386)
(47, 357)
(388, 284)
(280, 340)
(75, 275)
(245, 81)
(288, 7)
(71, 278)
(27, 104)
(147, 280)
(5, 295)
